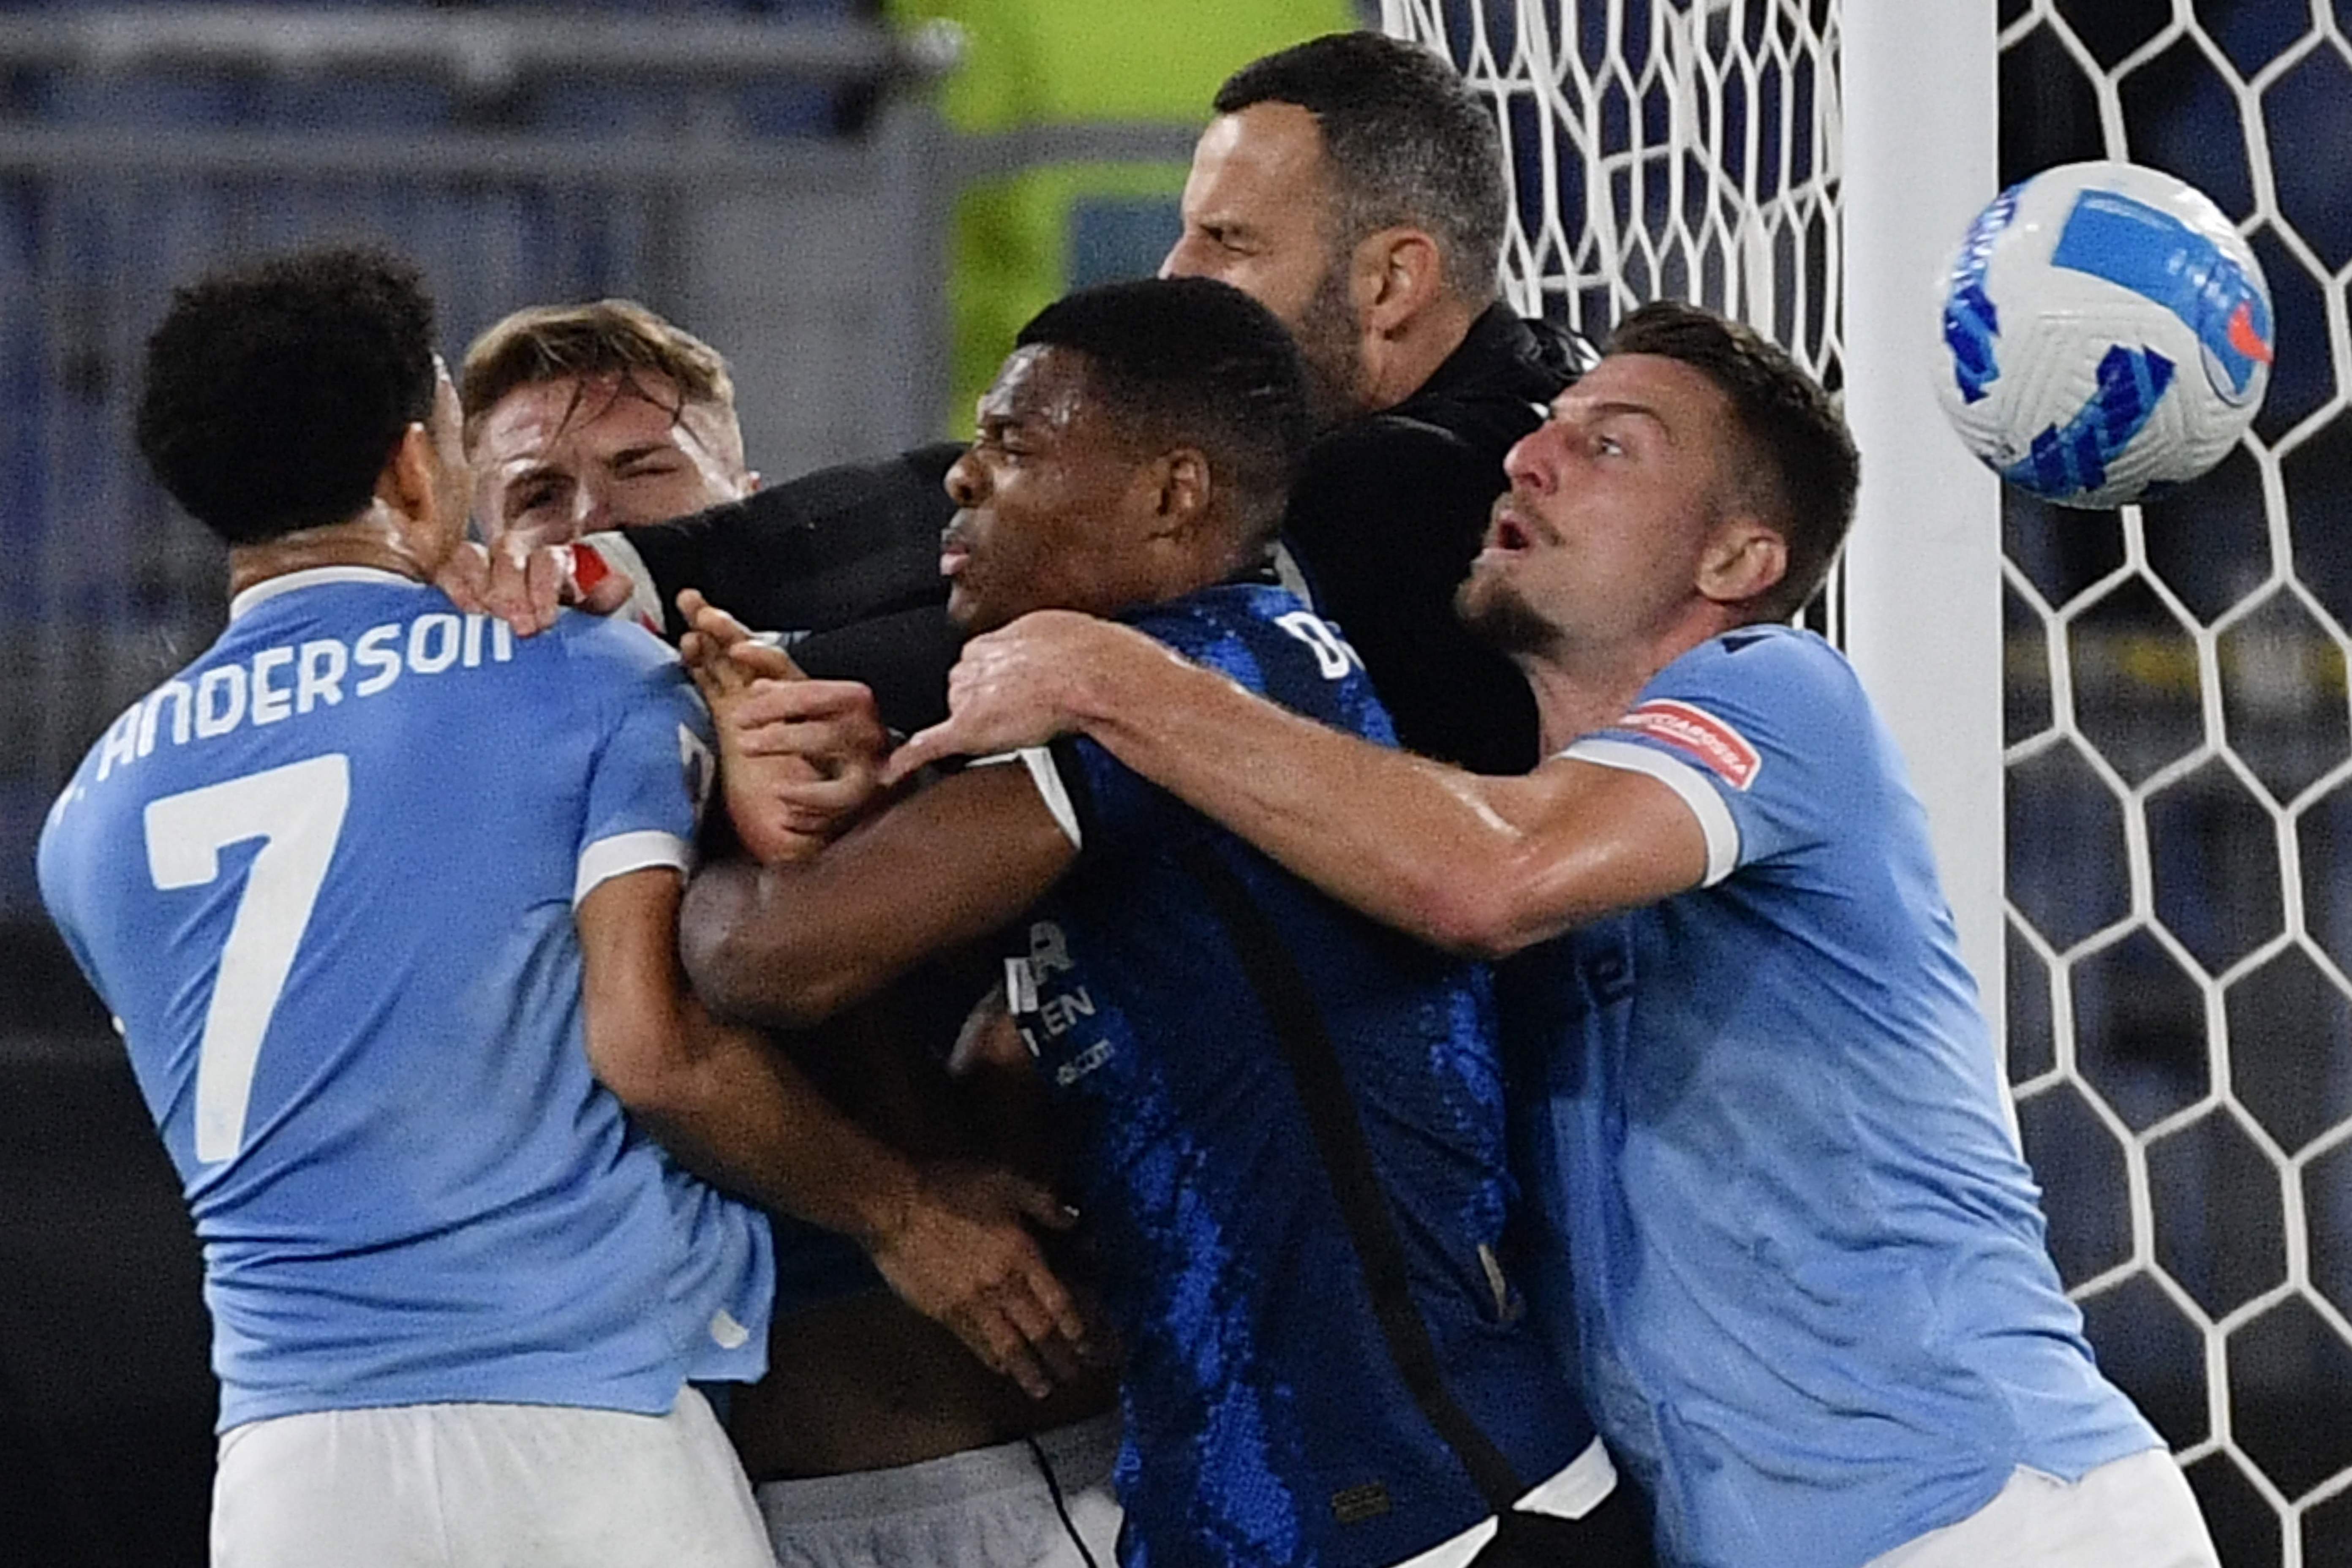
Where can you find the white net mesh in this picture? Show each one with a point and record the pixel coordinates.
(2178, 746)
(2179, 741)
(1680, 149)
(1685, 149)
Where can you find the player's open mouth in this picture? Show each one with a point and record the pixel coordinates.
(953, 552)
(1507, 534)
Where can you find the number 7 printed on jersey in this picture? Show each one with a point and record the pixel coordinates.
(296, 811)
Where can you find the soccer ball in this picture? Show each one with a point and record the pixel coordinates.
(2107, 334)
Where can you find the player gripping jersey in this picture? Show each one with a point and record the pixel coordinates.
(1225, 1034)
(1291, 1142)
(1810, 1298)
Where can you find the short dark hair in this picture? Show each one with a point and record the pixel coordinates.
(274, 394)
(1801, 471)
(1407, 143)
(1195, 362)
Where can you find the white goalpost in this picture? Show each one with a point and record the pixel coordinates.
(2154, 702)
(1807, 170)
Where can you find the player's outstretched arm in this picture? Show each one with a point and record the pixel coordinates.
(1469, 862)
(788, 945)
(952, 1239)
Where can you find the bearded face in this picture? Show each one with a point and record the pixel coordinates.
(1330, 337)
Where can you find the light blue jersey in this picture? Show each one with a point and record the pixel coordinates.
(324, 877)
(1815, 1309)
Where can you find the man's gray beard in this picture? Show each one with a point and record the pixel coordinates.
(1330, 345)
(1494, 611)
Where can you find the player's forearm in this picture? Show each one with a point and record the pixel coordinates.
(740, 1115)
(788, 945)
(759, 949)
(725, 1104)
(1415, 844)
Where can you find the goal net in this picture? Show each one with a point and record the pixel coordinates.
(1674, 150)
(2176, 739)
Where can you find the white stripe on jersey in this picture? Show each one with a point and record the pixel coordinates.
(1714, 817)
(625, 852)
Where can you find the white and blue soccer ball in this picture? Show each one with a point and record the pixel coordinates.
(2106, 333)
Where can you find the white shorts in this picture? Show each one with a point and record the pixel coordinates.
(450, 1485)
(2135, 1512)
(984, 1508)
(1571, 1492)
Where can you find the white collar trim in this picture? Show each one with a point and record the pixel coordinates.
(311, 577)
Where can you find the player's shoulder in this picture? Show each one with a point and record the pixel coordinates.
(1265, 638)
(1752, 693)
(1375, 454)
(606, 668)
(609, 646)
(1783, 666)
(1230, 616)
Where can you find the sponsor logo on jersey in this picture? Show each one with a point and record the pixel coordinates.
(1699, 735)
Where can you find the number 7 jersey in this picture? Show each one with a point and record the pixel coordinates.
(324, 877)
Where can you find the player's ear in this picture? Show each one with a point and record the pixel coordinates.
(1397, 273)
(1746, 557)
(410, 480)
(1185, 489)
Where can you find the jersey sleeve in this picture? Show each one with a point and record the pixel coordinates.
(1097, 801)
(61, 870)
(1749, 730)
(652, 761)
(817, 553)
(1102, 804)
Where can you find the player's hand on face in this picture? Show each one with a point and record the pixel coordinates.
(1019, 686)
(963, 1256)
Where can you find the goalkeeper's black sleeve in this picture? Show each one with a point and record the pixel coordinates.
(844, 562)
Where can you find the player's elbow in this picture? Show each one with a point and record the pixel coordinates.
(744, 969)
(647, 1062)
(1478, 912)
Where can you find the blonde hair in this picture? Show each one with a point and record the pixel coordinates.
(601, 337)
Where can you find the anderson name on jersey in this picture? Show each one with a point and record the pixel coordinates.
(325, 878)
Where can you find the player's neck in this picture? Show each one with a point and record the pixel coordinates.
(378, 537)
(1581, 688)
(1575, 698)
(1397, 367)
